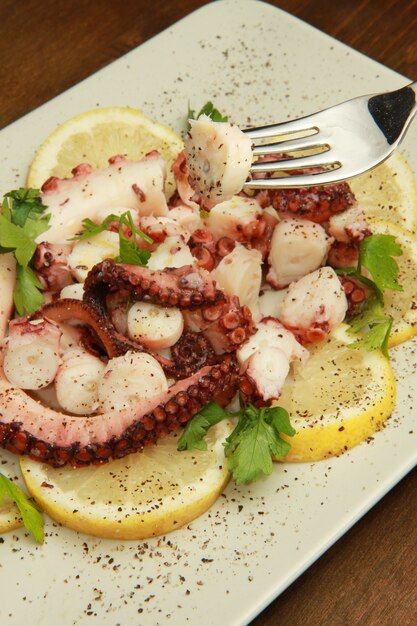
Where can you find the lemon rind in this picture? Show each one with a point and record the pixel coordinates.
(135, 521)
(311, 442)
(406, 211)
(81, 123)
(333, 433)
(157, 523)
(9, 518)
(406, 327)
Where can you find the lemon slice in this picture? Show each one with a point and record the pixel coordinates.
(95, 136)
(401, 305)
(140, 496)
(338, 399)
(389, 192)
(9, 515)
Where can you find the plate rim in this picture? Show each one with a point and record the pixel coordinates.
(402, 471)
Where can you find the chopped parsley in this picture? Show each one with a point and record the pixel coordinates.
(376, 254)
(252, 445)
(90, 228)
(22, 220)
(31, 516)
(209, 110)
(373, 326)
(129, 251)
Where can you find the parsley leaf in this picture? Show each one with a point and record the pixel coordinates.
(209, 110)
(130, 254)
(33, 228)
(256, 440)
(22, 220)
(28, 290)
(90, 228)
(376, 254)
(31, 517)
(24, 203)
(251, 446)
(376, 336)
(129, 251)
(375, 327)
(15, 238)
(196, 429)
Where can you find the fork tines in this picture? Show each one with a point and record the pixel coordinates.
(285, 145)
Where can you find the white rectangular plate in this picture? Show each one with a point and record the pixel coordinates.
(260, 65)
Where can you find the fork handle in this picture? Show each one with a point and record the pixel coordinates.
(393, 111)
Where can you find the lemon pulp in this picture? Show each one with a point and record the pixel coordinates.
(9, 515)
(95, 136)
(388, 192)
(340, 397)
(142, 495)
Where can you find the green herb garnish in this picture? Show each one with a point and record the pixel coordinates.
(376, 254)
(22, 220)
(129, 251)
(252, 445)
(31, 516)
(28, 290)
(374, 326)
(22, 204)
(197, 428)
(90, 228)
(209, 110)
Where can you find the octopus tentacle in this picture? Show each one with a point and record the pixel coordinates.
(191, 352)
(55, 438)
(51, 265)
(249, 393)
(185, 287)
(225, 324)
(255, 234)
(343, 254)
(27, 427)
(203, 248)
(317, 203)
(93, 316)
(357, 295)
(314, 203)
(124, 183)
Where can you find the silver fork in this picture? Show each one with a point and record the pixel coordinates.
(347, 139)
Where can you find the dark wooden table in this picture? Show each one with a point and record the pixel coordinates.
(370, 576)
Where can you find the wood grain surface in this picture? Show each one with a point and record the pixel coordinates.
(369, 576)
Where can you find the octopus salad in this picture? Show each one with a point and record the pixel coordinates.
(152, 306)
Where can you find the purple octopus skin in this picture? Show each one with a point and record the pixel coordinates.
(184, 287)
(27, 427)
(50, 265)
(58, 439)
